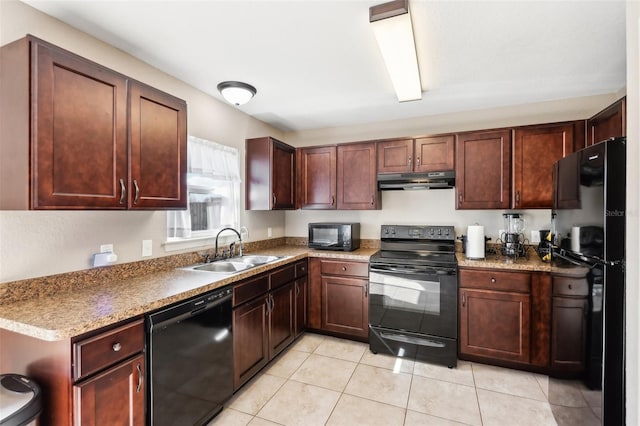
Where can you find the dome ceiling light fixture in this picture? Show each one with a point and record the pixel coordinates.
(391, 24)
(236, 92)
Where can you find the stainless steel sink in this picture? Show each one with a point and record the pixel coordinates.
(224, 266)
(234, 264)
(256, 259)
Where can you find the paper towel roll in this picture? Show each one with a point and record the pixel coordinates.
(475, 242)
(575, 239)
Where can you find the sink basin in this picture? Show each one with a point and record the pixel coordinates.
(257, 259)
(234, 264)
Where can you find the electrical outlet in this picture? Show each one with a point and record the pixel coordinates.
(106, 248)
(269, 232)
(147, 248)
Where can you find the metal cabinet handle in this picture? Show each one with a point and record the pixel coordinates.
(123, 191)
(297, 289)
(333, 200)
(268, 302)
(418, 161)
(459, 199)
(372, 200)
(274, 199)
(344, 268)
(493, 280)
(464, 299)
(409, 161)
(135, 199)
(139, 368)
(366, 290)
(116, 347)
(517, 198)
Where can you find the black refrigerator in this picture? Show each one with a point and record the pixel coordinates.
(589, 221)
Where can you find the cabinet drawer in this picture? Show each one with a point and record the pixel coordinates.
(283, 276)
(250, 289)
(98, 352)
(495, 280)
(569, 286)
(341, 267)
(301, 268)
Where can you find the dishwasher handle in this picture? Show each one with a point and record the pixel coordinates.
(175, 314)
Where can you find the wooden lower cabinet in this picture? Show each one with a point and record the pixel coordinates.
(114, 397)
(94, 379)
(269, 313)
(495, 324)
(250, 340)
(338, 297)
(301, 312)
(281, 310)
(345, 306)
(569, 325)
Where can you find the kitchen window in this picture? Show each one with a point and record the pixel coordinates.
(213, 185)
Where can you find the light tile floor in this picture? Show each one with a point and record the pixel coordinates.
(323, 380)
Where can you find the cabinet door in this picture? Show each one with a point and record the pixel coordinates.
(495, 324)
(301, 289)
(317, 177)
(395, 156)
(345, 306)
(540, 318)
(79, 139)
(357, 186)
(114, 397)
(535, 151)
(608, 123)
(250, 344)
(281, 311)
(483, 170)
(434, 154)
(569, 333)
(158, 154)
(283, 176)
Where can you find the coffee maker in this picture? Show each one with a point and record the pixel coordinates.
(513, 240)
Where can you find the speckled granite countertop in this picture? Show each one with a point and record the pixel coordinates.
(533, 263)
(79, 310)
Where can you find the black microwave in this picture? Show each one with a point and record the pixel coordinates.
(334, 236)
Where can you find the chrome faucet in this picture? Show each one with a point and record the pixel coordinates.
(231, 245)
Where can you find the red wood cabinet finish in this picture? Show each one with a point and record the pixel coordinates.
(114, 397)
(270, 170)
(483, 170)
(425, 154)
(250, 340)
(317, 177)
(356, 178)
(281, 326)
(535, 151)
(158, 149)
(65, 142)
(611, 122)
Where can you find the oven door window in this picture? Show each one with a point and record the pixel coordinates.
(422, 303)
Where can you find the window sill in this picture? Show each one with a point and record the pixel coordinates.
(188, 243)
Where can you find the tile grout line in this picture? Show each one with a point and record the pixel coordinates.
(475, 387)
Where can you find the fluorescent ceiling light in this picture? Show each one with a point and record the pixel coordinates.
(392, 27)
(236, 92)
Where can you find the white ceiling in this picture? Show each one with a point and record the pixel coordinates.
(315, 63)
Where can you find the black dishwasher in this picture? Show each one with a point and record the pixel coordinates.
(190, 358)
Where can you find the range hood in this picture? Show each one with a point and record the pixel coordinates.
(430, 180)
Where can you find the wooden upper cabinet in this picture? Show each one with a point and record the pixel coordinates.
(357, 186)
(483, 170)
(64, 142)
(270, 169)
(395, 156)
(608, 123)
(158, 155)
(434, 153)
(427, 154)
(317, 177)
(535, 151)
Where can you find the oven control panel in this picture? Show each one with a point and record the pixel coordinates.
(417, 232)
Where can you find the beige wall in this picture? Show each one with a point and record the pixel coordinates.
(37, 243)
